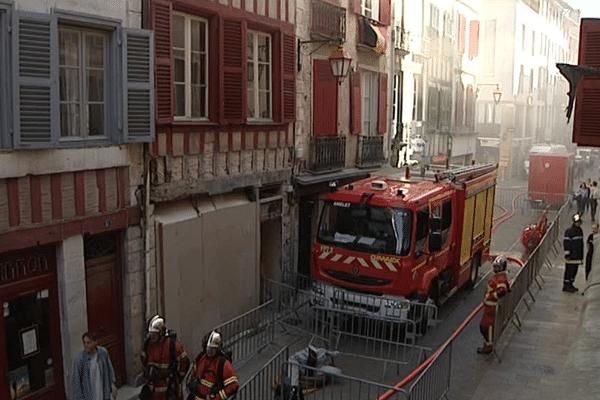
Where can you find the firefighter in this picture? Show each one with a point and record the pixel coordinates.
(497, 287)
(165, 361)
(213, 376)
(573, 245)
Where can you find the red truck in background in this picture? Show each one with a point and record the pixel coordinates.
(550, 179)
(407, 238)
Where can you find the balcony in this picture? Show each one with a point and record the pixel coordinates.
(328, 21)
(370, 151)
(327, 154)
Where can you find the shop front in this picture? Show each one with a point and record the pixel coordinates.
(31, 363)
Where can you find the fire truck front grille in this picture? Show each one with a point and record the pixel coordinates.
(359, 280)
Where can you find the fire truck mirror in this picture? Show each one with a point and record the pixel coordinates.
(435, 241)
(435, 224)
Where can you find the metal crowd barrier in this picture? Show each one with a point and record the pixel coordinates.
(318, 384)
(267, 384)
(506, 196)
(423, 314)
(340, 325)
(431, 380)
(529, 274)
(249, 333)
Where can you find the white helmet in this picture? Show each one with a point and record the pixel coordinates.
(156, 324)
(214, 340)
(500, 263)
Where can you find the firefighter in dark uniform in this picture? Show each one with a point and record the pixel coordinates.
(573, 245)
(213, 376)
(497, 287)
(165, 361)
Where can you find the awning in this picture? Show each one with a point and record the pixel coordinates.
(373, 37)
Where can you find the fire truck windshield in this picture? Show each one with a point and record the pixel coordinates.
(365, 228)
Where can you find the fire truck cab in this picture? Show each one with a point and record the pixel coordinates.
(405, 238)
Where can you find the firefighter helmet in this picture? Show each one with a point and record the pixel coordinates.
(500, 263)
(576, 218)
(214, 340)
(156, 324)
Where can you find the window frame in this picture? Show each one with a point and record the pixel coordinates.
(370, 114)
(256, 85)
(113, 95)
(188, 18)
(373, 10)
(83, 88)
(35, 88)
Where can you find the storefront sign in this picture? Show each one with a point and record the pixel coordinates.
(24, 264)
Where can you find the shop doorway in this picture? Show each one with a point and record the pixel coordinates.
(105, 297)
(30, 347)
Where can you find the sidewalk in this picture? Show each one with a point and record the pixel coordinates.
(556, 355)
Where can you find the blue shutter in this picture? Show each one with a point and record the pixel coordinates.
(35, 77)
(138, 79)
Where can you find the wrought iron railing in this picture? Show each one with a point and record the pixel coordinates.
(328, 21)
(327, 154)
(370, 151)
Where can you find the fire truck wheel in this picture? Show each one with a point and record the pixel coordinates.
(475, 264)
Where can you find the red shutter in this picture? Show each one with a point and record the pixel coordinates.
(587, 118)
(473, 39)
(160, 23)
(356, 123)
(234, 95)
(289, 78)
(383, 103)
(384, 12)
(462, 33)
(325, 100)
(357, 6)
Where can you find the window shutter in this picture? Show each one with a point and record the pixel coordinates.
(462, 33)
(384, 12)
(233, 105)
(35, 73)
(160, 23)
(587, 118)
(357, 6)
(356, 123)
(289, 78)
(138, 97)
(383, 103)
(473, 39)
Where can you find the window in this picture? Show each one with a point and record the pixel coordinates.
(524, 38)
(489, 47)
(370, 8)
(190, 60)
(259, 76)
(434, 21)
(74, 85)
(418, 98)
(533, 43)
(369, 102)
(83, 72)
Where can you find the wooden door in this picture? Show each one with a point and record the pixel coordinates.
(105, 298)
(325, 100)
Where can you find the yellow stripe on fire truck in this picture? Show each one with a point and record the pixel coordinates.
(377, 264)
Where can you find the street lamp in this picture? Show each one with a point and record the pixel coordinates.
(340, 62)
(497, 95)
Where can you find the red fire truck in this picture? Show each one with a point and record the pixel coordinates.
(550, 179)
(405, 238)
